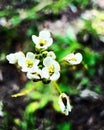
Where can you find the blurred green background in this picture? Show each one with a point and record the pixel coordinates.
(76, 26)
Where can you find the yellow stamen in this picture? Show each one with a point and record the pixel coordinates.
(73, 59)
(35, 73)
(42, 42)
(29, 63)
(51, 69)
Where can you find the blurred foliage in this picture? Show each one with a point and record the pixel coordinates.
(21, 19)
(93, 22)
(40, 94)
(64, 126)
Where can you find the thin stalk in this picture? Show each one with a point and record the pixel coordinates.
(56, 86)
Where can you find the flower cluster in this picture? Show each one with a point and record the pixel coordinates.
(40, 65)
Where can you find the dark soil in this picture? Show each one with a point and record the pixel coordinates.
(87, 113)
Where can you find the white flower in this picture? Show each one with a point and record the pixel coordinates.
(27, 63)
(35, 73)
(51, 54)
(51, 69)
(74, 59)
(4, 22)
(64, 104)
(14, 57)
(43, 41)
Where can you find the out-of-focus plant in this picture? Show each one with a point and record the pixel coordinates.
(92, 22)
(64, 126)
(16, 16)
(91, 33)
(13, 15)
(64, 45)
(80, 3)
(1, 109)
(27, 122)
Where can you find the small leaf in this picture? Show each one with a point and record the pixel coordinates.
(15, 20)
(35, 95)
(44, 100)
(32, 107)
(55, 104)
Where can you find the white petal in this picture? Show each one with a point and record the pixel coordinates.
(68, 106)
(74, 59)
(30, 55)
(51, 54)
(44, 34)
(11, 58)
(71, 55)
(21, 61)
(36, 62)
(32, 76)
(65, 108)
(49, 42)
(19, 54)
(78, 57)
(35, 69)
(26, 69)
(55, 76)
(35, 39)
(57, 66)
(1, 113)
(45, 73)
(14, 57)
(47, 61)
(62, 106)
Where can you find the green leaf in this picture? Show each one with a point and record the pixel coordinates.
(44, 100)
(55, 104)
(97, 89)
(64, 126)
(32, 107)
(15, 20)
(35, 95)
(71, 34)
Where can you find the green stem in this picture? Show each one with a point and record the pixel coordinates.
(56, 86)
